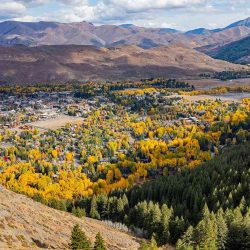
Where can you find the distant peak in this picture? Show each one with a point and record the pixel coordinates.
(244, 22)
(198, 31)
(127, 25)
(87, 22)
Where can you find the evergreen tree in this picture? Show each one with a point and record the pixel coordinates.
(222, 230)
(103, 205)
(142, 211)
(154, 219)
(120, 209)
(78, 212)
(247, 230)
(186, 242)
(236, 236)
(239, 232)
(78, 239)
(205, 234)
(99, 243)
(125, 203)
(177, 228)
(93, 209)
(153, 243)
(243, 205)
(164, 234)
(143, 245)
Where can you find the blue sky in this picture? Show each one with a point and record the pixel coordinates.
(179, 14)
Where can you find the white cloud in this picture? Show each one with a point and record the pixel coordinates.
(113, 10)
(32, 3)
(43, 2)
(180, 14)
(144, 5)
(27, 18)
(11, 9)
(73, 2)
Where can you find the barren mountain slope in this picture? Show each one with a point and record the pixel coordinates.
(26, 224)
(21, 64)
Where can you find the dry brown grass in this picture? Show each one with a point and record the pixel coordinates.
(26, 224)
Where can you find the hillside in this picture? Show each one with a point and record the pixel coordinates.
(26, 224)
(84, 33)
(215, 193)
(236, 52)
(20, 64)
(193, 188)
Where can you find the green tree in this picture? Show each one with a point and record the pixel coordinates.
(164, 234)
(222, 230)
(205, 234)
(186, 242)
(143, 245)
(93, 210)
(78, 239)
(120, 208)
(154, 219)
(78, 212)
(125, 202)
(99, 242)
(239, 232)
(176, 228)
(103, 205)
(153, 243)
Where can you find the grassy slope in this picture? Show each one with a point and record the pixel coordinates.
(26, 224)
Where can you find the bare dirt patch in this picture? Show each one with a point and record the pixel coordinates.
(52, 123)
(57, 122)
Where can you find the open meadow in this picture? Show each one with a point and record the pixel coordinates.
(56, 123)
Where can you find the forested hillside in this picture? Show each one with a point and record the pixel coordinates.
(220, 183)
(211, 202)
(236, 52)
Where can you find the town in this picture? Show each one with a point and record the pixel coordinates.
(131, 132)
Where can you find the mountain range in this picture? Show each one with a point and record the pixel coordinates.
(84, 33)
(51, 51)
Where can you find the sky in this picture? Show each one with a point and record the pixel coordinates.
(178, 14)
